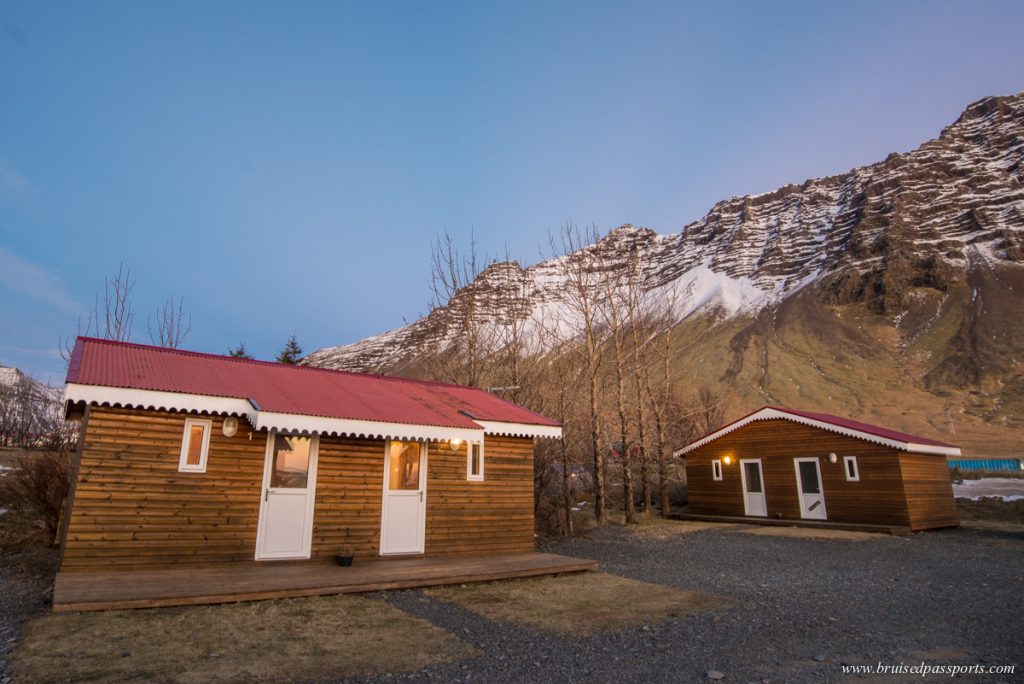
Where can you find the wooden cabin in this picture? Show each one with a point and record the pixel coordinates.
(778, 463)
(189, 459)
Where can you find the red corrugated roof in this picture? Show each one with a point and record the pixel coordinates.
(837, 421)
(284, 388)
(876, 430)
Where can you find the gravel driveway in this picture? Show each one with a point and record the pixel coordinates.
(804, 607)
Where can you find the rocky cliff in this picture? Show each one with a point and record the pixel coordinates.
(892, 292)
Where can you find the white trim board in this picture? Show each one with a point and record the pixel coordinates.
(157, 400)
(495, 427)
(289, 422)
(772, 413)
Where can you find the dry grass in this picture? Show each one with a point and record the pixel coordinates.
(284, 640)
(660, 528)
(578, 605)
(811, 533)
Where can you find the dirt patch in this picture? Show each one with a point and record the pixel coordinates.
(578, 605)
(991, 510)
(284, 640)
(811, 533)
(659, 528)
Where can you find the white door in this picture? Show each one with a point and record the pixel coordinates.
(404, 515)
(752, 479)
(808, 487)
(285, 528)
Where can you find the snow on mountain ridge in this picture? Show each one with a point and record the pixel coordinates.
(867, 235)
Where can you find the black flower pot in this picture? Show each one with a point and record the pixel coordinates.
(344, 561)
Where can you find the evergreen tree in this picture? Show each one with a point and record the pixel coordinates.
(240, 352)
(291, 353)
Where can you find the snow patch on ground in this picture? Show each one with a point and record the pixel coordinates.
(1005, 488)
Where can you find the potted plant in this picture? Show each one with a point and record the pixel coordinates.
(345, 554)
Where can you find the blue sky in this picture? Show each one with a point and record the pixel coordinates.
(285, 166)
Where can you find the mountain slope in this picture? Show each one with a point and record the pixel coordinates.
(889, 293)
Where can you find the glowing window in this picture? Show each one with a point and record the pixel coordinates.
(475, 461)
(195, 445)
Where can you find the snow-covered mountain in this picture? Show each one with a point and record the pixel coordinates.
(918, 259)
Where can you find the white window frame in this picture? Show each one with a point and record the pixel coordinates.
(846, 468)
(479, 477)
(716, 470)
(204, 450)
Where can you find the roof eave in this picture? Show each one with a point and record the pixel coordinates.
(770, 413)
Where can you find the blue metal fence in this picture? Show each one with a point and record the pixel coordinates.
(988, 464)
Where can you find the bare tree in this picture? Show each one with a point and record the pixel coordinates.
(452, 275)
(582, 279)
(615, 319)
(117, 307)
(114, 320)
(171, 326)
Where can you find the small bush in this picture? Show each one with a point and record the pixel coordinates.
(39, 483)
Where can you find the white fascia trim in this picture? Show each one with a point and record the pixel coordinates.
(494, 427)
(771, 414)
(157, 400)
(267, 420)
(372, 429)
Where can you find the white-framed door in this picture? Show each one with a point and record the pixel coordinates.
(404, 512)
(752, 481)
(285, 528)
(808, 487)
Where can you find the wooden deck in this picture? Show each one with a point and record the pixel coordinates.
(118, 589)
(895, 530)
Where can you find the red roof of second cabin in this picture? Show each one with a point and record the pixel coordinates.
(285, 388)
(875, 430)
(837, 423)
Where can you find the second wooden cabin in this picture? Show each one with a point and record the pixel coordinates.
(802, 466)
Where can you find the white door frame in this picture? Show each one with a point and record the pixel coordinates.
(422, 532)
(265, 493)
(743, 484)
(800, 489)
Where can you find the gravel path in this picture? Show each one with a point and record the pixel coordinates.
(804, 607)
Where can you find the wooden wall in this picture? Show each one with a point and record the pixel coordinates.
(132, 508)
(878, 498)
(929, 491)
(492, 516)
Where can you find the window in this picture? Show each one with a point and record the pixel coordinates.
(850, 466)
(291, 462)
(475, 461)
(195, 445)
(716, 469)
(405, 466)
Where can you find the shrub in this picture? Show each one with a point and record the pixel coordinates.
(39, 483)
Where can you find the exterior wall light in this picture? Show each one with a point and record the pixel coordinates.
(727, 460)
(832, 458)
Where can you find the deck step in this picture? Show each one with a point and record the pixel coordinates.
(118, 589)
(895, 530)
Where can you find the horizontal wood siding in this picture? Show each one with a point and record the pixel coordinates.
(878, 498)
(133, 509)
(349, 496)
(929, 492)
(493, 516)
